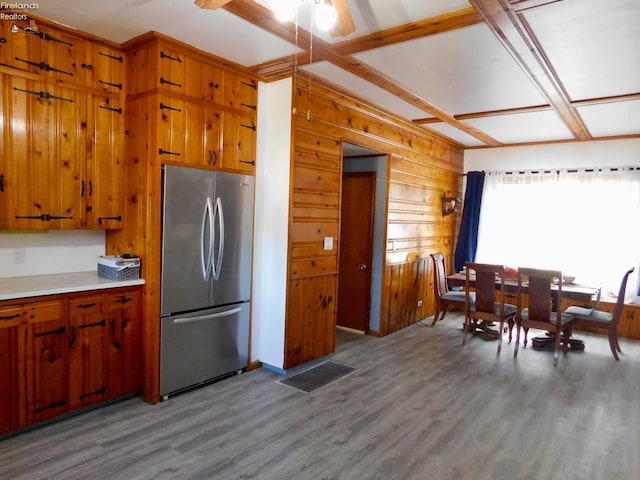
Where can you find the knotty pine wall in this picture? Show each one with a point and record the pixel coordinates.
(421, 168)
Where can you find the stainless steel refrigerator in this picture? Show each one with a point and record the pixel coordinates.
(207, 235)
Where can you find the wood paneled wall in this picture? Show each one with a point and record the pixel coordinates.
(422, 168)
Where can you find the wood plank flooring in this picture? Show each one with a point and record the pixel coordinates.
(420, 406)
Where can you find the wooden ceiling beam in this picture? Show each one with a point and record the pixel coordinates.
(262, 17)
(517, 37)
(410, 31)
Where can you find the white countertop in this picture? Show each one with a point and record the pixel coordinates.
(36, 285)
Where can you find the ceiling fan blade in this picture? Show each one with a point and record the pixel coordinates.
(344, 24)
(211, 4)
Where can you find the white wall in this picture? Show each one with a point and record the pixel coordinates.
(602, 153)
(50, 252)
(271, 223)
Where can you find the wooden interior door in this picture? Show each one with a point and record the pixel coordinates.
(356, 249)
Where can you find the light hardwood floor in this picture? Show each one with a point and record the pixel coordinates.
(420, 406)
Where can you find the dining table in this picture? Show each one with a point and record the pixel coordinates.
(572, 293)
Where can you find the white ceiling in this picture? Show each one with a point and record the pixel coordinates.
(455, 82)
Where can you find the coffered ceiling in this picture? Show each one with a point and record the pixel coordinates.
(480, 72)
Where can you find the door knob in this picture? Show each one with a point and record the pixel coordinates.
(363, 266)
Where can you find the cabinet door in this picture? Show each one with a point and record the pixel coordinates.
(103, 68)
(19, 48)
(124, 324)
(212, 127)
(61, 55)
(47, 366)
(239, 143)
(87, 351)
(240, 93)
(103, 191)
(46, 148)
(213, 83)
(171, 70)
(12, 414)
(180, 131)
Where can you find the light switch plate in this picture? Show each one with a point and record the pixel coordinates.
(328, 243)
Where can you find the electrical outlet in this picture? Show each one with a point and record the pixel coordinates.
(18, 255)
(420, 303)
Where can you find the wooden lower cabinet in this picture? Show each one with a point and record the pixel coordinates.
(124, 342)
(63, 352)
(87, 351)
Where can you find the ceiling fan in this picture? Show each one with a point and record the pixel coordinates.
(344, 24)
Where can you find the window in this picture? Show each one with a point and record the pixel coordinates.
(583, 222)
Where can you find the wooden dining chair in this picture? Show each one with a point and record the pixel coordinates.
(487, 280)
(444, 297)
(537, 284)
(590, 317)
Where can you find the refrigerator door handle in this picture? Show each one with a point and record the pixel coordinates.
(211, 316)
(206, 249)
(218, 266)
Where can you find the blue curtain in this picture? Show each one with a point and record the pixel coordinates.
(468, 238)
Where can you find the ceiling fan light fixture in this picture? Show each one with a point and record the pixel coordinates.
(284, 10)
(325, 15)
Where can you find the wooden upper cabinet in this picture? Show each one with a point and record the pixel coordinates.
(101, 67)
(180, 131)
(240, 93)
(103, 193)
(19, 49)
(239, 143)
(61, 162)
(44, 141)
(213, 83)
(172, 72)
(212, 137)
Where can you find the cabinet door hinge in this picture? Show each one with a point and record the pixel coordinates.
(162, 80)
(114, 57)
(100, 219)
(175, 59)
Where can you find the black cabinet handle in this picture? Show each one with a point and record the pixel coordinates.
(1, 182)
(74, 337)
(87, 66)
(213, 157)
(124, 299)
(87, 305)
(82, 191)
(90, 188)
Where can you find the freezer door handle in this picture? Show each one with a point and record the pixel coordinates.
(210, 316)
(206, 250)
(220, 213)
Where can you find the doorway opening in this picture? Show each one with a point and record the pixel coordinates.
(362, 241)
